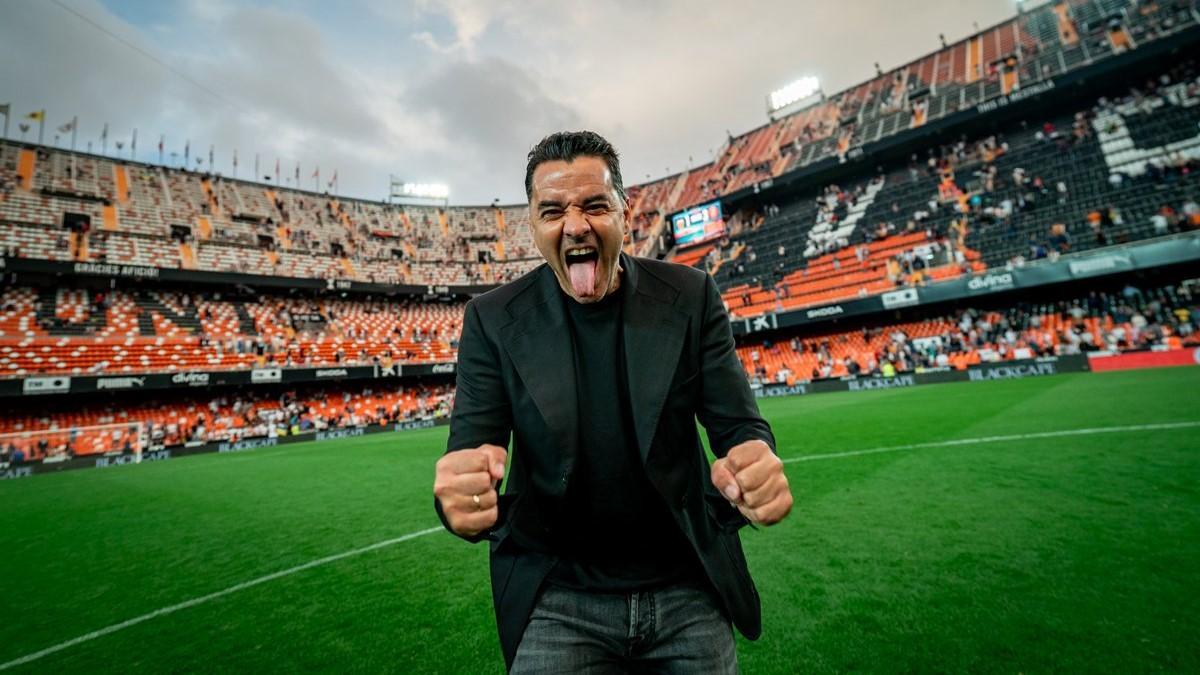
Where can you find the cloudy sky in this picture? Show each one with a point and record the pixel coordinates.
(452, 91)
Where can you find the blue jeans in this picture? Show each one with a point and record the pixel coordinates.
(679, 629)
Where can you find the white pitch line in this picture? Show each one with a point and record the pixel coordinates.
(998, 439)
(213, 596)
(413, 535)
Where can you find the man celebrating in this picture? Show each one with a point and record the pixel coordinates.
(614, 545)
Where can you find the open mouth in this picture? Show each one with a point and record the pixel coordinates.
(581, 268)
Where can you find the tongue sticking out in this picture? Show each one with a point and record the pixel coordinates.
(583, 278)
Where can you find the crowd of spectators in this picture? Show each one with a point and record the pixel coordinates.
(241, 415)
(1132, 319)
(1102, 321)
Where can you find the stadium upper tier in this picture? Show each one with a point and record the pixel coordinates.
(1070, 181)
(1040, 43)
(151, 215)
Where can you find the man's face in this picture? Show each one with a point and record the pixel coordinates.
(578, 223)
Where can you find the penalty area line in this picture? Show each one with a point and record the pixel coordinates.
(108, 630)
(997, 439)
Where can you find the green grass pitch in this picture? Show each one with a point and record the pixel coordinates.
(1068, 553)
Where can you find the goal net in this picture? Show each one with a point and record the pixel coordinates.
(57, 445)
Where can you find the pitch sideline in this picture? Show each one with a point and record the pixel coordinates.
(213, 596)
(998, 439)
(171, 609)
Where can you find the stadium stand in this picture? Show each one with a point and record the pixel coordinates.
(225, 417)
(1080, 180)
(1133, 319)
(1120, 171)
(229, 225)
(1040, 43)
(179, 219)
(1079, 175)
(75, 331)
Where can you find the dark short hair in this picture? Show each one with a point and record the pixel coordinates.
(565, 146)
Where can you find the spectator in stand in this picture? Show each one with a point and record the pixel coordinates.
(1191, 214)
(1164, 318)
(1172, 218)
(1159, 222)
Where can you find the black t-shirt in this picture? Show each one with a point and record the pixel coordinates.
(618, 534)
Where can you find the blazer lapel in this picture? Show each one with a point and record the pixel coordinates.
(538, 341)
(654, 335)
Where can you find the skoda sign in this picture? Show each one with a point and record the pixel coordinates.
(823, 312)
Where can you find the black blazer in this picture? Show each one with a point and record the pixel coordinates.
(516, 377)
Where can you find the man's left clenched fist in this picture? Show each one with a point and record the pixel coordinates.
(751, 478)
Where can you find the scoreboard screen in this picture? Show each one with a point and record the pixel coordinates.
(698, 224)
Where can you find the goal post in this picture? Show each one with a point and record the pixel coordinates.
(61, 444)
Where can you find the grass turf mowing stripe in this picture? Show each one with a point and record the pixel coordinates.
(390, 542)
(997, 439)
(218, 594)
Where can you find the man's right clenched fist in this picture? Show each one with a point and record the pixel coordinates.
(462, 476)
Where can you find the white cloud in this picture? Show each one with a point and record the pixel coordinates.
(470, 18)
(452, 90)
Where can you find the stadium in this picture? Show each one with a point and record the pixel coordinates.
(963, 292)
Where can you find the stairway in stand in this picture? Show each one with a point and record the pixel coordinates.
(246, 324)
(26, 165)
(187, 256)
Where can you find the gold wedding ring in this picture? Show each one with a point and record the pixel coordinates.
(475, 498)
